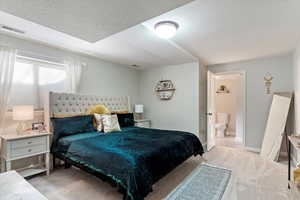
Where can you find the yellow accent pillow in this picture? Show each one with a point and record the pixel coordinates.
(98, 109)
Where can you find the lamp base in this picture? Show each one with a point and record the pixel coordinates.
(138, 116)
(20, 128)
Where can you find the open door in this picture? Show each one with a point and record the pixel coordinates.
(210, 111)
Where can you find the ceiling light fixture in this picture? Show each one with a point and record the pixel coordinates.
(166, 29)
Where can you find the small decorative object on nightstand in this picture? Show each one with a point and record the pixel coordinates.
(143, 123)
(16, 146)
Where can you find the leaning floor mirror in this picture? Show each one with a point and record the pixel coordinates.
(275, 127)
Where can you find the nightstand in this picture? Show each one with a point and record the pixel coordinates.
(293, 142)
(27, 145)
(295, 190)
(143, 123)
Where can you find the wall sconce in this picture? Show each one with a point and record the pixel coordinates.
(268, 82)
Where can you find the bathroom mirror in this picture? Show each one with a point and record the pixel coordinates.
(275, 126)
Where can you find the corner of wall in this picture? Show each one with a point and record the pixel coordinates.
(296, 87)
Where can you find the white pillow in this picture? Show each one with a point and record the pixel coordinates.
(110, 123)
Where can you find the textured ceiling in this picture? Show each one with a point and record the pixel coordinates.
(231, 30)
(90, 20)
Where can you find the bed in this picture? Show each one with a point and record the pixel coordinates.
(133, 159)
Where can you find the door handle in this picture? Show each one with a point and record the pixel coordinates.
(210, 114)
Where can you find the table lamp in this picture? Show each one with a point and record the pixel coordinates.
(139, 109)
(22, 114)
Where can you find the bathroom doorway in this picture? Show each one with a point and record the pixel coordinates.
(226, 109)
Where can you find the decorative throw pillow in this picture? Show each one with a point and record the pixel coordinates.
(72, 125)
(126, 120)
(98, 109)
(110, 123)
(99, 123)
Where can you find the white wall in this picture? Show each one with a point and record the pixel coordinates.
(257, 101)
(182, 111)
(229, 102)
(296, 84)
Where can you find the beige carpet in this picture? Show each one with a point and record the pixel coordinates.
(252, 179)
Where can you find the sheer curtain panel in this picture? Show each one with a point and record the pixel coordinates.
(7, 62)
(73, 72)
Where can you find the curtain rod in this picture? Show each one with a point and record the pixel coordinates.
(30, 55)
(40, 60)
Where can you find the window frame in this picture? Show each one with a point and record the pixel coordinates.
(37, 64)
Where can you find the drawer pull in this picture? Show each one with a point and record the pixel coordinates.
(29, 150)
(29, 142)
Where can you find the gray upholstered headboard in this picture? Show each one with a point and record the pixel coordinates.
(67, 103)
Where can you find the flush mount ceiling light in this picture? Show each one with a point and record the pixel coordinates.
(166, 29)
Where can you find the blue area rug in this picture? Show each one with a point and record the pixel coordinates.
(206, 182)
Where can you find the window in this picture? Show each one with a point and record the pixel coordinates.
(32, 80)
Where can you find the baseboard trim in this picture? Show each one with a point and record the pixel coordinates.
(256, 150)
(238, 139)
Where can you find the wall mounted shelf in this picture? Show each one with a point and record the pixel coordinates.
(165, 89)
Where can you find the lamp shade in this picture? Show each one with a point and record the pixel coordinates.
(22, 113)
(139, 108)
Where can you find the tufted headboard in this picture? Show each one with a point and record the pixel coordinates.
(67, 103)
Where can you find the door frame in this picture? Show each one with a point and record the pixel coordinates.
(244, 99)
(210, 112)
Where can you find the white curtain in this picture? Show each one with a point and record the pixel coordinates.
(7, 62)
(73, 72)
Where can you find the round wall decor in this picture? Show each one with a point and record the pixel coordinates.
(165, 89)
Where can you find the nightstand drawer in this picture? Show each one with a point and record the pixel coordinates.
(27, 151)
(28, 142)
(140, 125)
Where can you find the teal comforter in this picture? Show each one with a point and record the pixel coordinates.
(134, 158)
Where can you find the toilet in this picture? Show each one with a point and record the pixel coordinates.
(222, 124)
